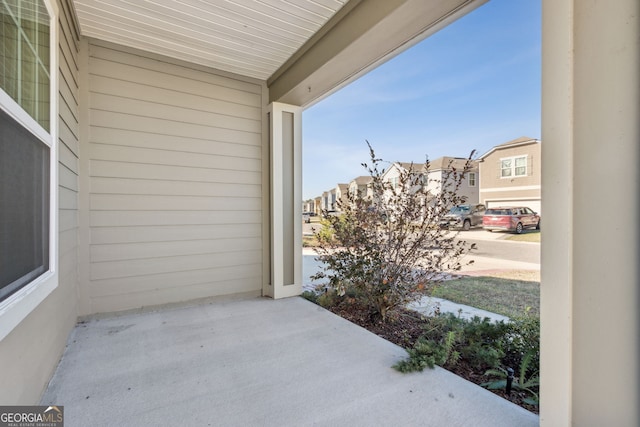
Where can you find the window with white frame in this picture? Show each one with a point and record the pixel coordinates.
(394, 182)
(471, 179)
(27, 148)
(513, 167)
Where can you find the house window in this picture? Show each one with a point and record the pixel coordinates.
(27, 156)
(394, 182)
(24, 197)
(24, 50)
(471, 177)
(513, 167)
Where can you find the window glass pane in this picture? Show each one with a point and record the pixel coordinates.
(42, 104)
(521, 166)
(28, 69)
(24, 56)
(8, 53)
(24, 198)
(505, 168)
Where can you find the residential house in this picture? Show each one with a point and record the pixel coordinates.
(510, 174)
(329, 200)
(317, 205)
(393, 172)
(440, 173)
(309, 206)
(360, 186)
(164, 148)
(341, 196)
(326, 201)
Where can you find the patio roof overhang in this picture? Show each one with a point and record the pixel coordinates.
(304, 49)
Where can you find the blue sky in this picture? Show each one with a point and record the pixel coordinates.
(470, 86)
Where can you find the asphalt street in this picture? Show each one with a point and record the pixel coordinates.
(506, 250)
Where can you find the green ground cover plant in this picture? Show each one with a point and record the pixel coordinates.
(481, 349)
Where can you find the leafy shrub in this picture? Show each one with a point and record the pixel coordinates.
(523, 339)
(387, 246)
(483, 345)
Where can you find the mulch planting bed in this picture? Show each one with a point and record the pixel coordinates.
(405, 328)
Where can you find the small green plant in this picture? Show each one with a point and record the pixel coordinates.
(521, 339)
(428, 353)
(325, 234)
(525, 382)
(447, 339)
(310, 296)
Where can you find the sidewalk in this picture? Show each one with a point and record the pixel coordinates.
(429, 305)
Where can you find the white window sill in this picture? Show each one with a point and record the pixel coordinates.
(18, 306)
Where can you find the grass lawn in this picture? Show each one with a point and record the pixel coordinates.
(508, 297)
(309, 242)
(526, 236)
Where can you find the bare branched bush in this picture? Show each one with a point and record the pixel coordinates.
(387, 248)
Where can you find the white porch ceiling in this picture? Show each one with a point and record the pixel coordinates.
(247, 37)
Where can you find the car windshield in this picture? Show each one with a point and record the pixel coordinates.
(498, 212)
(459, 210)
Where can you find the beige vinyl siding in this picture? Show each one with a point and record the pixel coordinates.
(30, 353)
(174, 181)
(516, 190)
(490, 167)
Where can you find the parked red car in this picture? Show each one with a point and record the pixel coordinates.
(510, 219)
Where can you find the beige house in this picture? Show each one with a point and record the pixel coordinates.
(328, 200)
(162, 144)
(511, 174)
(359, 186)
(342, 195)
(312, 205)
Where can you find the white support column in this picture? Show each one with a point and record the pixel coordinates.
(590, 286)
(285, 140)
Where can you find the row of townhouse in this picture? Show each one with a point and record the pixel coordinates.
(506, 175)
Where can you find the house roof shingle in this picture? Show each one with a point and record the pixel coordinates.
(523, 140)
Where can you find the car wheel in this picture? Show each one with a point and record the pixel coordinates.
(519, 228)
(466, 225)
(538, 226)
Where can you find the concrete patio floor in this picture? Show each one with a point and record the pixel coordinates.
(256, 362)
